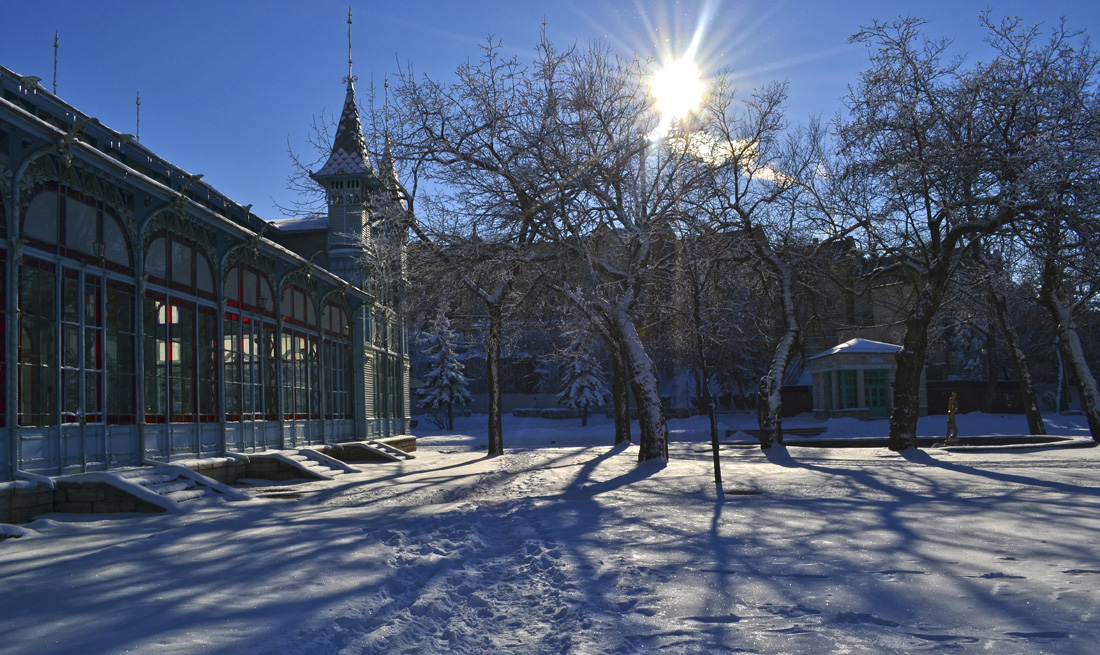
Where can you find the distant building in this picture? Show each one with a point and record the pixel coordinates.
(856, 379)
(147, 317)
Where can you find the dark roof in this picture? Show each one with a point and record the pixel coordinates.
(349, 150)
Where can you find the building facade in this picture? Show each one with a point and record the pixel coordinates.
(856, 380)
(147, 317)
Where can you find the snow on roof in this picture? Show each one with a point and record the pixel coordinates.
(301, 223)
(349, 150)
(860, 346)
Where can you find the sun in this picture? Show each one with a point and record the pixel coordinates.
(678, 90)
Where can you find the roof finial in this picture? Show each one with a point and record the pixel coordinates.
(350, 78)
(55, 62)
(386, 108)
(137, 119)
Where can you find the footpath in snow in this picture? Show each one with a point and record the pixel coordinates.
(567, 545)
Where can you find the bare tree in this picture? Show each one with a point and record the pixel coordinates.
(917, 146)
(627, 191)
(473, 140)
(764, 186)
(1050, 153)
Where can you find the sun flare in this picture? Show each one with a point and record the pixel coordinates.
(678, 89)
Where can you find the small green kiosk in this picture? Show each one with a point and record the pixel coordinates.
(855, 378)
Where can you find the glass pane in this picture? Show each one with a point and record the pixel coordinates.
(92, 355)
(204, 279)
(70, 345)
(287, 307)
(177, 396)
(269, 370)
(70, 394)
(156, 258)
(120, 310)
(117, 250)
(232, 282)
(91, 395)
(232, 399)
(80, 226)
(249, 288)
(208, 362)
(70, 299)
(37, 293)
(181, 264)
(265, 293)
(41, 218)
(187, 400)
(91, 300)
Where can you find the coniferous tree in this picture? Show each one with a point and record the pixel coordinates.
(444, 384)
(584, 378)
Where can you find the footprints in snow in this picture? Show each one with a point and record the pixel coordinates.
(464, 584)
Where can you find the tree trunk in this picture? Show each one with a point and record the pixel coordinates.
(769, 403)
(703, 376)
(712, 415)
(584, 415)
(450, 416)
(496, 397)
(1023, 375)
(1074, 355)
(620, 394)
(907, 379)
(990, 394)
(653, 439)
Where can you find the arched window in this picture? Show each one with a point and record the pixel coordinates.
(76, 333)
(181, 348)
(249, 346)
(301, 379)
(336, 357)
(174, 262)
(78, 227)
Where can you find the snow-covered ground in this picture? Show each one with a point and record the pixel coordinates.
(566, 545)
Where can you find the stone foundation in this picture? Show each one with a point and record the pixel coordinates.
(22, 500)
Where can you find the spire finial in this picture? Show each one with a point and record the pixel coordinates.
(386, 108)
(55, 62)
(137, 119)
(350, 78)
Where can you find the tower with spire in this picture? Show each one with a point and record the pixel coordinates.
(365, 245)
(351, 188)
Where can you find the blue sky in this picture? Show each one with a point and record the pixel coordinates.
(226, 85)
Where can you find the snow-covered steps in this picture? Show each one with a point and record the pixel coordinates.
(371, 450)
(142, 489)
(381, 449)
(318, 462)
(306, 463)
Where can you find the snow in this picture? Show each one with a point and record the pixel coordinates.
(301, 223)
(865, 346)
(573, 547)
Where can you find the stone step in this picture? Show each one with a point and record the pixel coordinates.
(393, 452)
(166, 488)
(150, 480)
(144, 472)
(188, 494)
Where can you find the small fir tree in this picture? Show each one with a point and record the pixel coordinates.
(583, 376)
(444, 384)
